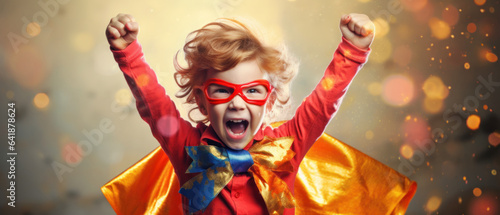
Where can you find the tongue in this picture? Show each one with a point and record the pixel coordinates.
(236, 128)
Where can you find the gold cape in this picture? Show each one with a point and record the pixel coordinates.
(333, 178)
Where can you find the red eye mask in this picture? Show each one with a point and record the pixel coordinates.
(219, 91)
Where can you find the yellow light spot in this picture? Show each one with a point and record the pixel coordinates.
(464, 178)
(123, 97)
(382, 26)
(440, 29)
(459, 200)
(142, 80)
(33, 29)
(9, 94)
(408, 118)
(477, 192)
(369, 135)
(473, 122)
(41, 100)
(479, 2)
(471, 27)
(481, 10)
(492, 10)
(494, 172)
(375, 88)
(491, 57)
(432, 105)
(406, 151)
(467, 65)
(433, 204)
(327, 83)
(434, 88)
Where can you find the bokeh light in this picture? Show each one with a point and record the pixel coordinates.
(477, 192)
(382, 27)
(484, 205)
(479, 2)
(473, 122)
(327, 83)
(27, 67)
(41, 100)
(71, 153)
(397, 90)
(491, 57)
(142, 80)
(450, 15)
(471, 27)
(416, 130)
(167, 126)
(424, 15)
(433, 203)
(467, 65)
(439, 28)
(9, 94)
(369, 134)
(33, 29)
(434, 88)
(123, 97)
(494, 139)
(406, 151)
(494, 172)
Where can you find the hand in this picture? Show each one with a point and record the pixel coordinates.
(121, 31)
(358, 29)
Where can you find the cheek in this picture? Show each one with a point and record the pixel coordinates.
(215, 113)
(258, 115)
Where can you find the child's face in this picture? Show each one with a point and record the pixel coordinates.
(236, 122)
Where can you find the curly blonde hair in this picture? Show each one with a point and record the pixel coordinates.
(220, 46)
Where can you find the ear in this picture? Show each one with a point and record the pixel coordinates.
(270, 101)
(200, 101)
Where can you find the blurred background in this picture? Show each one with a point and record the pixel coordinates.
(426, 103)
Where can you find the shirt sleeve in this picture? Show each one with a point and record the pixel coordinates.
(154, 105)
(316, 111)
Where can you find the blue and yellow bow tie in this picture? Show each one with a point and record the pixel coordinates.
(217, 167)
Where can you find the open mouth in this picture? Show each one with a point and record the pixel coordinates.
(237, 128)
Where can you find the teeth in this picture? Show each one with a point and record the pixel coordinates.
(236, 121)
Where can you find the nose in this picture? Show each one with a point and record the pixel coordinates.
(237, 103)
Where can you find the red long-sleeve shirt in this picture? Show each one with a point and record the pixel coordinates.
(241, 195)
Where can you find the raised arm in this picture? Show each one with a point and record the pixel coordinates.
(154, 106)
(316, 111)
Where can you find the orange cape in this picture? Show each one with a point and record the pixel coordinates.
(333, 178)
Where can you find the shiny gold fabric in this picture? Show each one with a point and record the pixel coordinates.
(334, 178)
(273, 155)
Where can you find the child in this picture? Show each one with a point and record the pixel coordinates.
(235, 164)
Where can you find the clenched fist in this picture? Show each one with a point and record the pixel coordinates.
(358, 29)
(121, 31)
